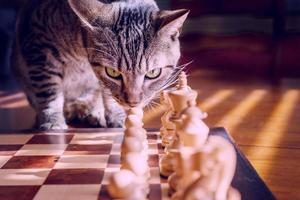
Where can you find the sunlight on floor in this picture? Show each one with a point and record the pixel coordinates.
(16, 100)
(11, 97)
(275, 128)
(241, 110)
(215, 100)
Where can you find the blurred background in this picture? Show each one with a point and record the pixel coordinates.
(253, 37)
(259, 37)
(246, 68)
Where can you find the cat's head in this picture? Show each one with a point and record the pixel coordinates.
(132, 46)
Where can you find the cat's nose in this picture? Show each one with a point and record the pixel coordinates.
(132, 99)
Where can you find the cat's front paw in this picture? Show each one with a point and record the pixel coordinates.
(54, 121)
(114, 122)
(84, 113)
(96, 121)
(53, 126)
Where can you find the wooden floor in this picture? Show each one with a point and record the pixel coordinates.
(262, 118)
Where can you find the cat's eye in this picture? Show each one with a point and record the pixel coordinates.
(153, 74)
(115, 74)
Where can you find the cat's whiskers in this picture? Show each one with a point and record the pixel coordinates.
(152, 105)
(174, 77)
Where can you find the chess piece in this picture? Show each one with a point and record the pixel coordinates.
(168, 128)
(168, 160)
(174, 180)
(217, 164)
(193, 132)
(136, 111)
(124, 185)
(137, 163)
(179, 101)
(166, 164)
(203, 189)
(133, 120)
(121, 184)
(136, 132)
(141, 135)
(183, 174)
(131, 145)
(179, 98)
(233, 194)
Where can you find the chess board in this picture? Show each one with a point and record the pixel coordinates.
(77, 164)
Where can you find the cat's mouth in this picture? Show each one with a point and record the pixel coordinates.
(129, 105)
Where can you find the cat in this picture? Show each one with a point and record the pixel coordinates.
(91, 60)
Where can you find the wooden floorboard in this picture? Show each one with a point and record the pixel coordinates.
(262, 118)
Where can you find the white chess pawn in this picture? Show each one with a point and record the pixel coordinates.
(121, 184)
(136, 111)
(124, 185)
(130, 145)
(138, 164)
(141, 135)
(136, 132)
(133, 120)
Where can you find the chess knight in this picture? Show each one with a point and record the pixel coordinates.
(207, 173)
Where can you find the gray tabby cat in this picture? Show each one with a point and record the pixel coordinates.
(90, 59)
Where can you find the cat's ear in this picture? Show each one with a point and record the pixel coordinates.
(90, 10)
(171, 22)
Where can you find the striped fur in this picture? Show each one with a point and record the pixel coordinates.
(63, 47)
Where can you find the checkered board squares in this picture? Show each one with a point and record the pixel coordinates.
(68, 165)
